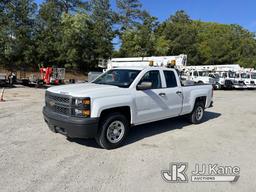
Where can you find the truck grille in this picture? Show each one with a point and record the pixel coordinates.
(62, 110)
(59, 98)
(241, 82)
(58, 103)
(228, 82)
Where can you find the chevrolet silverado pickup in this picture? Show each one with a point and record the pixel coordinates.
(106, 108)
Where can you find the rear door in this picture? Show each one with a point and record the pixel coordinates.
(174, 95)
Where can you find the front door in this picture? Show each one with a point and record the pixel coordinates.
(151, 104)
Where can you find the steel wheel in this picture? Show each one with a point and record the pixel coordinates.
(115, 131)
(199, 113)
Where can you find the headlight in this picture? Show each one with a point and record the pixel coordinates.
(82, 112)
(81, 107)
(82, 102)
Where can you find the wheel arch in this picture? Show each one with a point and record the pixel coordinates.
(201, 99)
(125, 110)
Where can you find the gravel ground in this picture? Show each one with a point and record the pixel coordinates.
(34, 159)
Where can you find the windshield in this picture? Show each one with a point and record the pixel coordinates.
(217, 76)
(231, 74)
(117, 77)
(245, 76)
(204, 73)
(253, 75)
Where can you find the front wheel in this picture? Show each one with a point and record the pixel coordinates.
(113, 131)
(197, 114)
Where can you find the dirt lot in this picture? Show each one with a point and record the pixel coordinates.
(34, 159)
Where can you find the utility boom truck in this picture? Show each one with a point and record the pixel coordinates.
(178, 61)
(106, 108)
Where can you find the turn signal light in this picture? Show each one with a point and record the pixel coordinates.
(86, 113)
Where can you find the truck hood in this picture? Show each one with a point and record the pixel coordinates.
(88, 90)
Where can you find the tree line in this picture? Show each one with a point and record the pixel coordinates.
(76, 34)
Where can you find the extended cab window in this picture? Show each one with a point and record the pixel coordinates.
(170, 79)
(154, 78)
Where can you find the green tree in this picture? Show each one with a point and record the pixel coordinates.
(17, 33)
(103, 34)
(129, 13)
(222, 44)
(48, 34)
(77, 43)
(181, 35)
(140, 41)
(67, 6)
(3, 30)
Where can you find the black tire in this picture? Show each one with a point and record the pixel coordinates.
(194, 117)
(103, 140)
(200, 82)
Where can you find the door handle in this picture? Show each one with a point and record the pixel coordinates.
(178, 92)
(162, 94)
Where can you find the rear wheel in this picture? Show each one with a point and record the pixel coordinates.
(113, 131)
(197, 114)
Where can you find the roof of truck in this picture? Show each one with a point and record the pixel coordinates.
(129, 68)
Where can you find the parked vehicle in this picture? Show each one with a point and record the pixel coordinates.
(106, 108)
(245, 79)
(201, 77)
(216, 77)
(253, 77)
(3, 79)
(227, 80)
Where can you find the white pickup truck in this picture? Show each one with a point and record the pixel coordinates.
(106, 108)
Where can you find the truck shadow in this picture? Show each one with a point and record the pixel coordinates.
(147, 130)
(150, 129)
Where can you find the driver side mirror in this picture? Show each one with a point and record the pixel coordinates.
(144, 86)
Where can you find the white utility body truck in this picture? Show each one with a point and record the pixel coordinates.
(120, 98)
(245, 78)
(200, 77)
(223, 75)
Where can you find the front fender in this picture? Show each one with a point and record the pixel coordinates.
(101, 104)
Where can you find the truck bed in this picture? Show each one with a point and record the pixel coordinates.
(188, 83)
